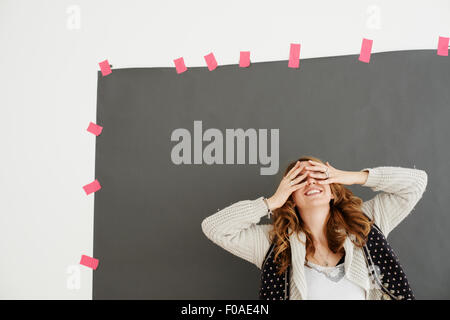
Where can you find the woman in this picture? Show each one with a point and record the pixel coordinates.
(319, 233)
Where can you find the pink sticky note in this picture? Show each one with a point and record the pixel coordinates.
(294, 55)
(89, 262)
(94, 128)
(244, 60)
(366, 49)
(443, 46)
(92, 187)
(105, 68)
(179, 65)
(211, 61)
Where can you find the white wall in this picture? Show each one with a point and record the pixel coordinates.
(48, 97)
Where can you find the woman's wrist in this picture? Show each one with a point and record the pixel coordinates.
(360, 177)
(271, 204)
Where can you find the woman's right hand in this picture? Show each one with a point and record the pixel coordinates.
(285, 188)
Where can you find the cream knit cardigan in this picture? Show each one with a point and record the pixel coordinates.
(235, 227)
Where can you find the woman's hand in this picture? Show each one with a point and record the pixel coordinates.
(288, 184)
(335, 175)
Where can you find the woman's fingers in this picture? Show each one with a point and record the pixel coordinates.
(315, 162)
(300, 178)
(326, 181)
(298, 186)
(297, 172)
(317, 168)
(292, 169)
(318, 175)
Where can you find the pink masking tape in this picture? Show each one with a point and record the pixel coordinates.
(89, 262)
(294, 55)
(443, 46)
(211, 61)
(366, 49)
(92, 187)
(244, 60)
(94, 128)
(179, 65)
(105, 68)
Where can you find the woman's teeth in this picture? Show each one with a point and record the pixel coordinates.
(314, 193)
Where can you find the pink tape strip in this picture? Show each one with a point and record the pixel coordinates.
(366, 49)
(294, 55)
(92, 187)
(105, 68)
(179, 65)
(89, 262)
(244, 60)
(94, 128)
(211, 61)
(443, 46)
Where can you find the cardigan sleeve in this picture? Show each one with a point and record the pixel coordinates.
(235, 229)
(401, 189)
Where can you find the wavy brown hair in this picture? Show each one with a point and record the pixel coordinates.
(346, 217)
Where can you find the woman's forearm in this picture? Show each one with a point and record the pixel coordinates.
(401, 188)
(360, 177)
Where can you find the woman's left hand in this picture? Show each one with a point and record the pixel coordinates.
(334, 175)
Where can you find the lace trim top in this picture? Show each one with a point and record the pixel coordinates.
(333, 273)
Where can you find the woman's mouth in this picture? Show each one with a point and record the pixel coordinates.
(314, 193)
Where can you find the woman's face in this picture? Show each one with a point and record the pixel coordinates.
(316, 199)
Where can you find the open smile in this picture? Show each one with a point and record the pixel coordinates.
(314, 193)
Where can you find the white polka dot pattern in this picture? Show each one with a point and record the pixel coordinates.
(273, 285)
(384, 267)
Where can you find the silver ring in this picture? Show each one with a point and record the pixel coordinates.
(291, 182)
(328, 175)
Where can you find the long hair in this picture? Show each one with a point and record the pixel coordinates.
(345, 217)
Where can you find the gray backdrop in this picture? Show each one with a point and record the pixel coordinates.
(147, 224)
